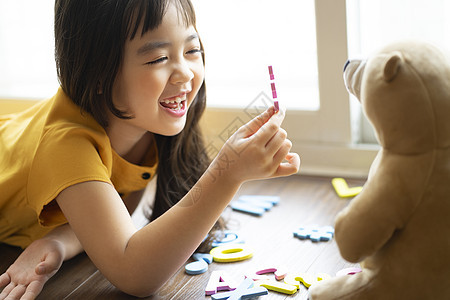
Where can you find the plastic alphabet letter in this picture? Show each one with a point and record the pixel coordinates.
(348, 271)
(254, 204)
(229, 237)
(277, 286)
(272, 77)
(274, 90)
(219, 281)
(305, 278)
(196, 267)
(200, 265)
(276, 105)
(274, 200)
(247, 208)
(231, 252)
(203, 256)
(342, 189)
(243, 291)
(315, 233)
(280, 273)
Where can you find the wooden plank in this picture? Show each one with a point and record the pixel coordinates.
(305, 200)
(8, 255)
(97, 287)
(72, 275)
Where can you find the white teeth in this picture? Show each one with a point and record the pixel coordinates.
(180, 106)
(177, 100)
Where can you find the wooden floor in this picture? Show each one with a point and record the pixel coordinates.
(304, 201)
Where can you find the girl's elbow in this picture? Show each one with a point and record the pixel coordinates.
(132, 278)
(140, 293)
(138, 289)
(134, 283)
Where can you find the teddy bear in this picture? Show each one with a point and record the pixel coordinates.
(398, 227)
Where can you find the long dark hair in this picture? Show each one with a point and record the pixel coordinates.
(89, 46)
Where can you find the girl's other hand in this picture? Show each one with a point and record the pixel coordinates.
(257, 150)
(26, 277)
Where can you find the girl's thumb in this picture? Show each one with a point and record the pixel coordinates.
(40, 269)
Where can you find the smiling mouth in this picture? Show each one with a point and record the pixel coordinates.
(174, 104)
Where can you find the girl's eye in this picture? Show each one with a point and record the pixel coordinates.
(157, 61)
(194, 51)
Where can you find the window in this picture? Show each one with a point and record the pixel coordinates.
(307, 42)
(310, 50)
(372, 24)
(243, 37)
(26, 49)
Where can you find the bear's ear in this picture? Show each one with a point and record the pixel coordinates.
(392, 65)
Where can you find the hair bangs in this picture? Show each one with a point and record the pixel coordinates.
(150, 13)
(186, 12)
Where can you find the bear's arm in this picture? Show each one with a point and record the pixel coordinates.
(388, 199)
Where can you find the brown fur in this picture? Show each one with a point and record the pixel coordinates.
(398, 228)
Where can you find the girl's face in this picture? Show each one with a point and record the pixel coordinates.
(160, 75)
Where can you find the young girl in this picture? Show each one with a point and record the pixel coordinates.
(73, 168)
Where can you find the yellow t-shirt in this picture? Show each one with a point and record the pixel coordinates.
(46, 149)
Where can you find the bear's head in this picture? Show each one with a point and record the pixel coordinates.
(403, 90)
(394, 227)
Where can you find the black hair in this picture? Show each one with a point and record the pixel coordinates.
(90, 37)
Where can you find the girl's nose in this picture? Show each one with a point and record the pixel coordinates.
(182, 74)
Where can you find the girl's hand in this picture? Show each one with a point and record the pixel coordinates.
(26, 277)
(257, 150)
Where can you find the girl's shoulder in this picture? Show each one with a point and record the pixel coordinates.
(68, 137)
(71, 148)
(55, 115)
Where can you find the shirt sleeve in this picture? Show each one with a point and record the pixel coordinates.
(65, 157)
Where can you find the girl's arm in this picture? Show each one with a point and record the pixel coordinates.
(26, 277)
(69, 242)
(140, 261)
